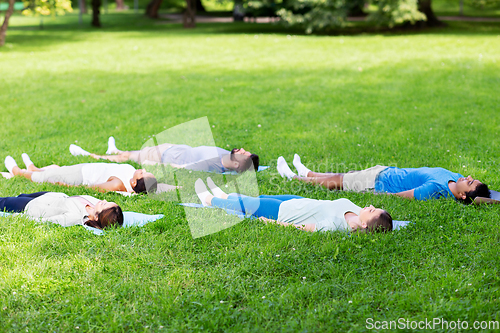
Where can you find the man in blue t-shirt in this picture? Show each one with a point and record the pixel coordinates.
(414, 183)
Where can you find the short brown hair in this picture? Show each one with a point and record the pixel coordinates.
(146, 185)
(382, 223)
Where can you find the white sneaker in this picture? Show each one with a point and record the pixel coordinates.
(26, 160)
(283, 169)
(10, 163)
(112, 147)
(6, 175)
(77, 151)
(217, 192)
(201, 191)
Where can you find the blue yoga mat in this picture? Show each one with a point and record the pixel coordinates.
(261, 168)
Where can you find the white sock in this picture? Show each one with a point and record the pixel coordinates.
(201, 191)
(301, 169)
(216, 191)
(112, 146)
(6, 175)
(284, 169)
(77, 150)
(10, 163)
(26, 160)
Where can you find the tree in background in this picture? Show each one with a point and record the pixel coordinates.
(324, 15)
(153, 7)
(96, 10)
(314, 15)
(189, 15)
(120, 5)
(483, 4)
(5, 24)
(36, 8)
(397, 12)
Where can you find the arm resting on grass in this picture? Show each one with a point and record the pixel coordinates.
(406, 194)
(113, 184)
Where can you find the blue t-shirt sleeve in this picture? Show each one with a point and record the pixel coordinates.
(427, 191)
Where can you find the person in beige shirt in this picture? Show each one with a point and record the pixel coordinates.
(65, 210)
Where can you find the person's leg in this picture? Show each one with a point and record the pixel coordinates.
(152, 154)
(68, 175)
(33, 168)
(332, 181)
(319, 174)
(17, 204)
(121, 157)
(265, 207)
(281, 197)
(32, 195)
(17, 171)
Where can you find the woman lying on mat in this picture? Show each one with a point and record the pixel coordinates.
(303, 213)
(65, 210)
(101, 176)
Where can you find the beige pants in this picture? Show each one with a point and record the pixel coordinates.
(153, 154)
(364, 180)
(71, 175)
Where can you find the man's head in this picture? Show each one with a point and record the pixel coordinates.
(143, 182)
(468, 188)
(241, 160)
(375, 220)
(105, 214)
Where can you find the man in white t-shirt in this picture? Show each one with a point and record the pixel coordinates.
(303, 213)
(101, 176)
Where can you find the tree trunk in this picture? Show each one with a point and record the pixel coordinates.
(120, 5)
(425, 7)
(200, 7)
(84, 7)
(189, 17)
(356, 8)
(153, 8)
(3, 29)
(96, 5)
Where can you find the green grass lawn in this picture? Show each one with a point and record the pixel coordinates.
(428, 98)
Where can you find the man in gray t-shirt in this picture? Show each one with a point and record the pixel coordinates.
(201, 158)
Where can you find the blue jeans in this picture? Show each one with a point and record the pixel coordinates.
(265, 205)
(17, 204)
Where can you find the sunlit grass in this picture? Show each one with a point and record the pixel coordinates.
(342, 102)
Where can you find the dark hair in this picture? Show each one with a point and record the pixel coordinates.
(252, 160)
(146, 185)
(481, 190)
(108, 217)
(255, 161)
(382, 223)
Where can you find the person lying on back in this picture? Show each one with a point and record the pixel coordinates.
(201, 158)
(413, 183)
(64, 210)
(101, 176)
(303, 213)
